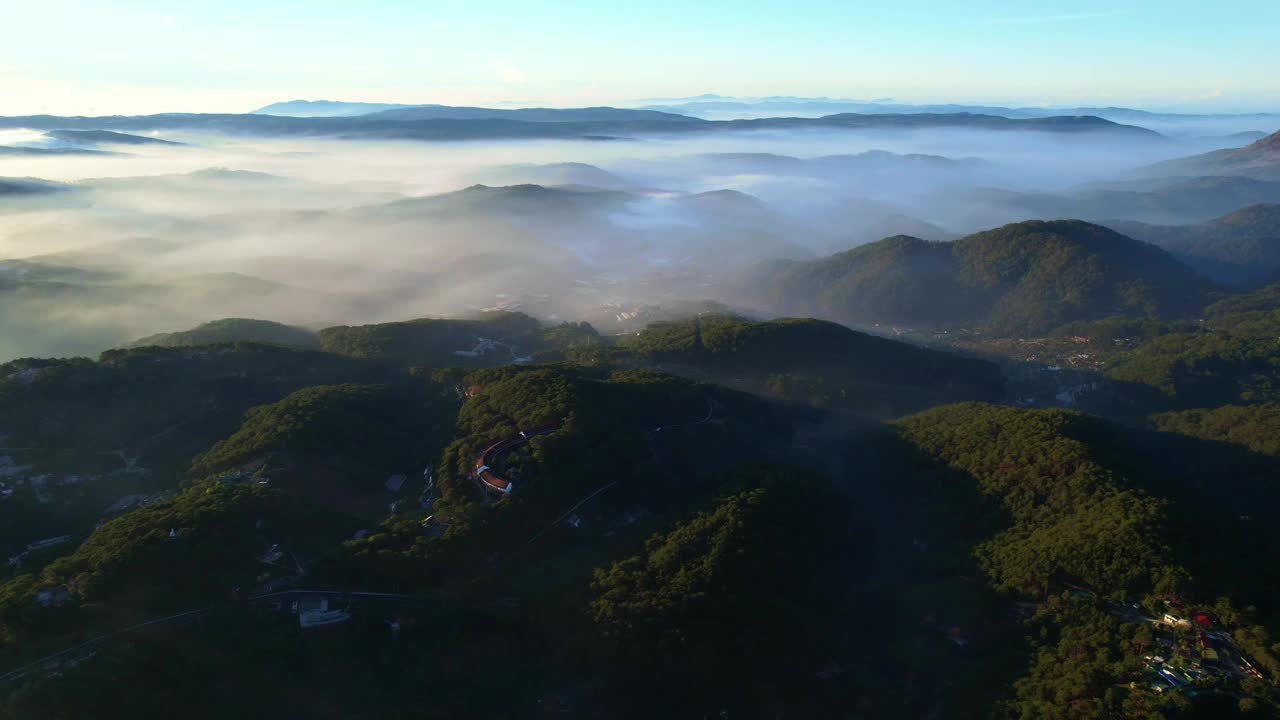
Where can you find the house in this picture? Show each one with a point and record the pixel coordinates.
(315, 612)
(1175, 620)
(432, 527)
(273, 554)
(54, 596)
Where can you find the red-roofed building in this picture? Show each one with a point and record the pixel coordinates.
(493, 482)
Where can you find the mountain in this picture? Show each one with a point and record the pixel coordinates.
(827, 166)
(505, 200)
(443, 123)
(1239, 248)
(30, 186)
(1021, 278)
(49, 151)
(554, 174)
(432, 342)
(806, 361)
(1260, 159)
(719, 107)
(106, 137)
(591, 114)
(574, 229)
(1096, 527)
(231, 330)
(325, 108)
(335, 443)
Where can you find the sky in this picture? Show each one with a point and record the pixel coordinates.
(90, 57)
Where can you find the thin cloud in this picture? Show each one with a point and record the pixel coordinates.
(1061, 17)
(508, 72)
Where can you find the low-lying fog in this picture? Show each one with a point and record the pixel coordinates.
(152, 238)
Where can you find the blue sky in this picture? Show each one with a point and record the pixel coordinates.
(136, 56)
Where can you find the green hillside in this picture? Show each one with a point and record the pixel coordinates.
(431, 342)
(229, 330)
(1023, 278)
(806, 361)
(1063, 515)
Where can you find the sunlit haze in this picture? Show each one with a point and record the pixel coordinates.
(140, 56)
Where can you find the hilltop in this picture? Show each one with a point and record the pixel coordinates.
(1021, 278)
(229, 330)
(805, 361)
(432, 342)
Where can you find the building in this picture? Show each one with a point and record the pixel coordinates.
(54, 596)
(492, 481)
(315, 612)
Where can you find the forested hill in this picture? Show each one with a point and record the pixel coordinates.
(431, 342)
(806, 361)
(1022, 278)
(1092, 528)
(232, 330)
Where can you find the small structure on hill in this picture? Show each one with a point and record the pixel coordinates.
(54, 596)
(315, 612)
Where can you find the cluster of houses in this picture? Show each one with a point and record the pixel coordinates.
(42, 486)
(1195, 651)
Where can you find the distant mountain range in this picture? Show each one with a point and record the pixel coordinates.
(719, 106)
(452, 123)
(325, 108)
